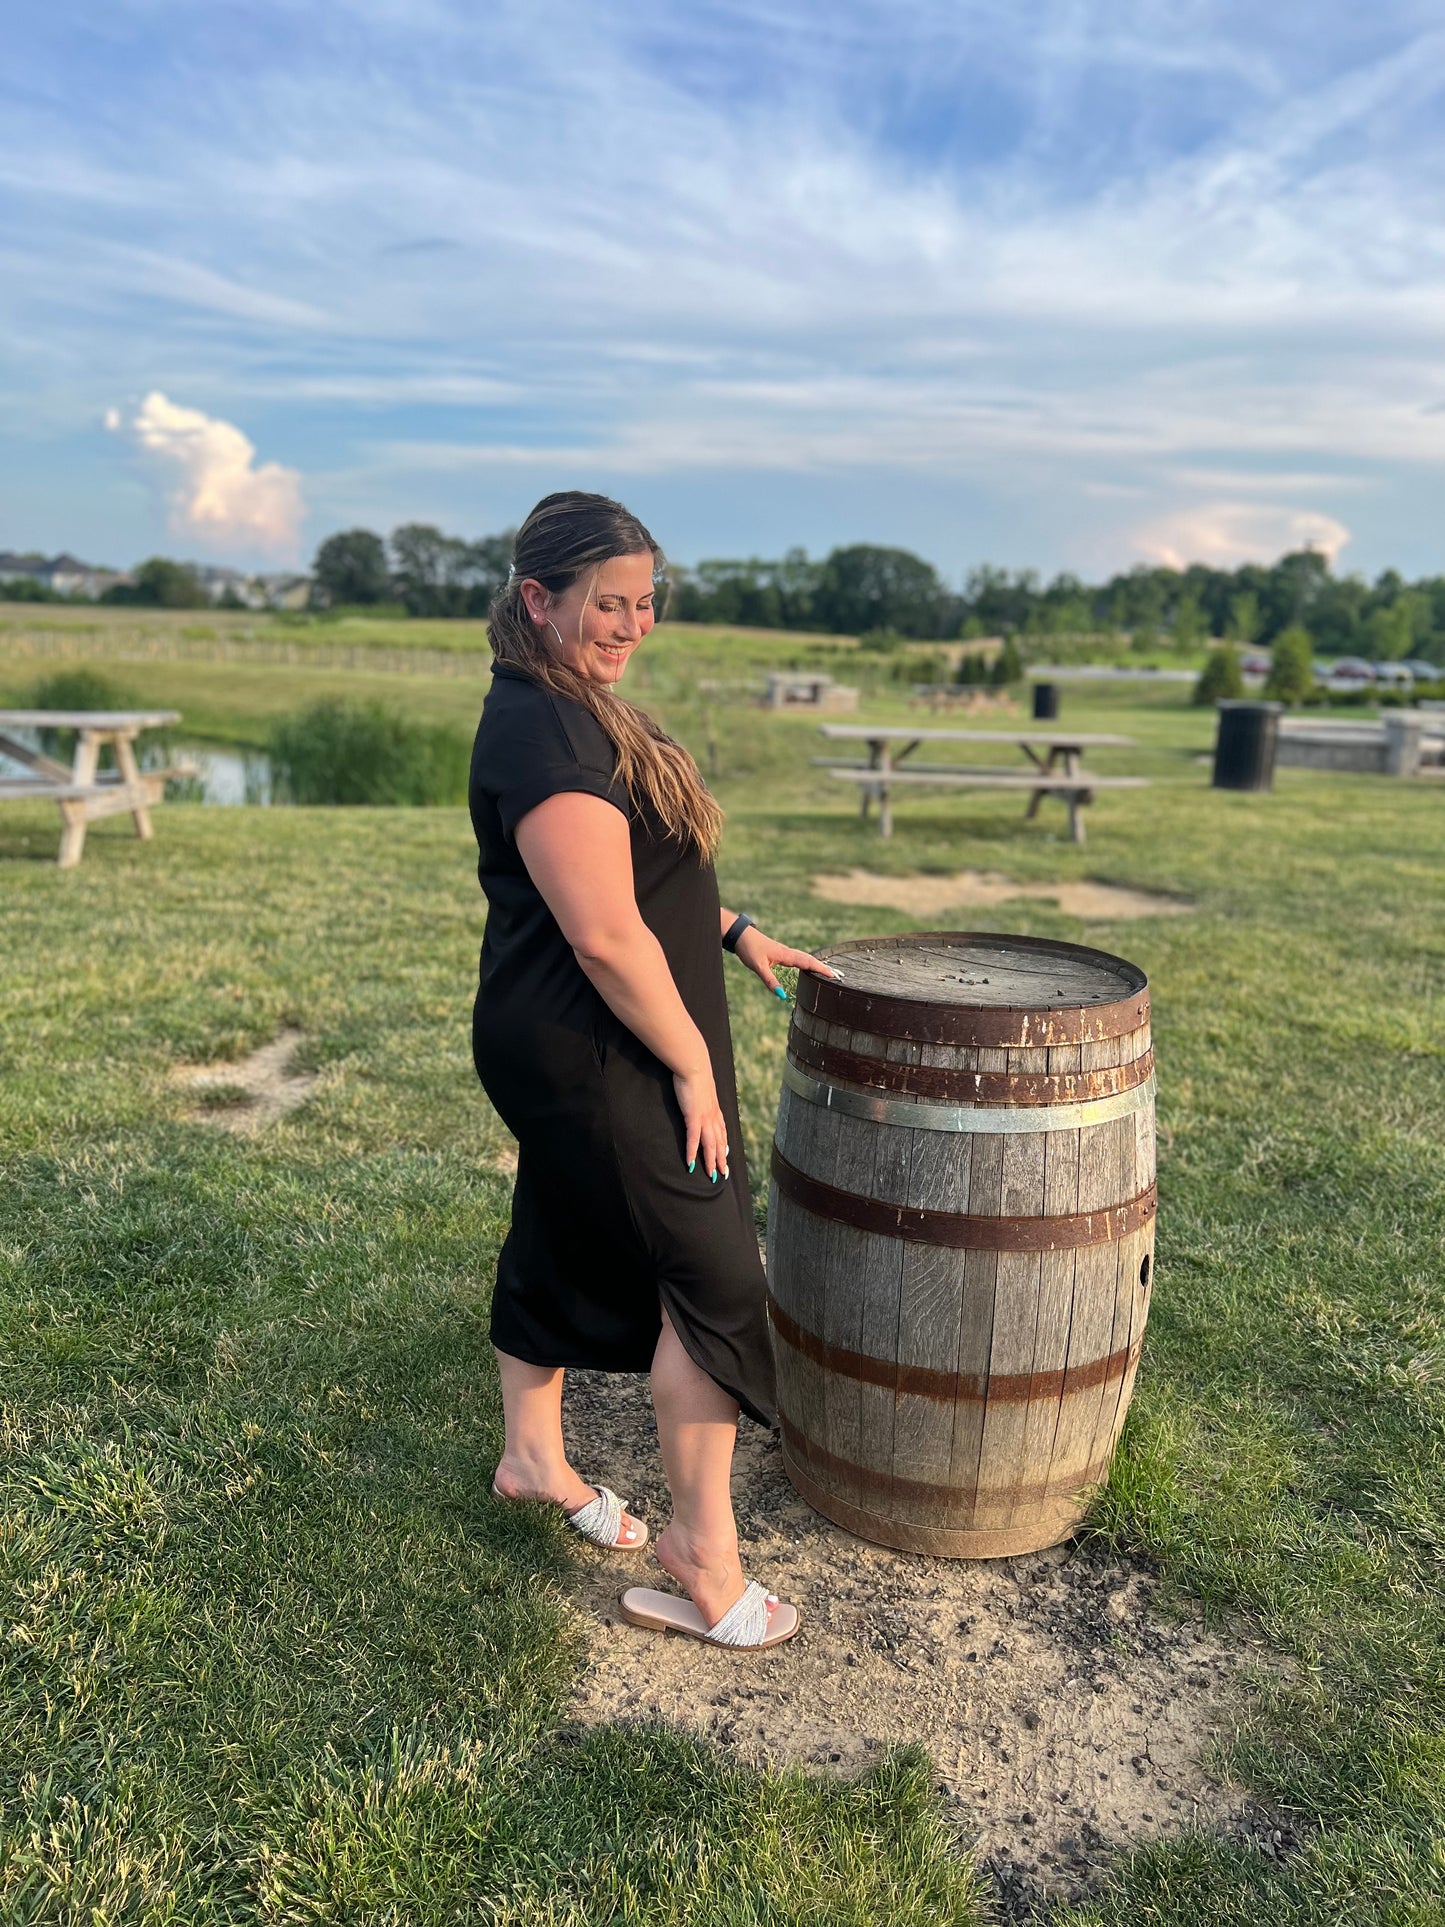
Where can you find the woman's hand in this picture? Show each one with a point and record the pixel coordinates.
(762, 955)
(702, 1121)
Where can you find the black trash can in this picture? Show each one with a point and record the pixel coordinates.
(1046, 702)
(1244, 747)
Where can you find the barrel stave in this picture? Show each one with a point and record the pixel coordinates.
(930, 1322)
(1012, 1344)
(1050, 1363)
(1130, 1309)
(848, 1278)
(1005, 1406)
(1091, 1318)
(881, 1297)
(812, 1145)
(980, 1287)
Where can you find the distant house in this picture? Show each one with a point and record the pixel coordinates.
(284, 591)
(64, 574)
(273, 591)
(218, 583)
(68, 575)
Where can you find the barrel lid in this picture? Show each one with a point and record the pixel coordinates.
(978, 987)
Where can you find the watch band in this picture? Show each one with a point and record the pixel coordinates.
(736, 928)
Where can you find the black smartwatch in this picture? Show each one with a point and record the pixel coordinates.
(735, 929)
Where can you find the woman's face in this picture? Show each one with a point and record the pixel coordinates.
(601, 619)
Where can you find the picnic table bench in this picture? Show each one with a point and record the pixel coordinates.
(1054, 754)
(84, 792)
(973, 698)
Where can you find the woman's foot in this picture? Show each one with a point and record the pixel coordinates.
(556, 1485)
(712, 1576)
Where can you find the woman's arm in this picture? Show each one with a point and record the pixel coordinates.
(578, 853)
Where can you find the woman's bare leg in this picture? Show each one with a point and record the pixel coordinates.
(697, 1425)
(534, 1463)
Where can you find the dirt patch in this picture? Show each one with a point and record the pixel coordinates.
(1066, 1716)
(931, 896)
(252, 1093)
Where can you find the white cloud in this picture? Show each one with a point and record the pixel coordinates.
(1224, 534)
(221, 496)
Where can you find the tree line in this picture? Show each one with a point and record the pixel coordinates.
(428, 572)
(866, 589)
(862, 587)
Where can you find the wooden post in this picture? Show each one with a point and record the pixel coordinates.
(72, 814)
(125, 762)
(876, 750)
(1047, 768)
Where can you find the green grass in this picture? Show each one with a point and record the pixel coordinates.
(273, 1657)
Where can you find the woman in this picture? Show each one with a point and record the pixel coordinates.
(601, 1035)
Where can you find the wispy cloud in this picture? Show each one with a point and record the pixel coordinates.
(1094, 245)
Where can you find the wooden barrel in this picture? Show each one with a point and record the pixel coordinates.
(961, 1236)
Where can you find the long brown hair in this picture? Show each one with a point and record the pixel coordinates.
(564, 537)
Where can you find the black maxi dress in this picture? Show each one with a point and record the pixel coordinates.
(606, 1218)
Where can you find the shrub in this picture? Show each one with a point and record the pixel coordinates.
(1291, 671)
(74, 689)
(880, 641)
(925, 667)
(1220, 679)
(1008, 665)
(160, 583)
(358, 753)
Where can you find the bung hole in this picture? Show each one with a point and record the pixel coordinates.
(1144, 1270)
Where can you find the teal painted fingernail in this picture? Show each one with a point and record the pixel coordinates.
(693, 1165)
(778, 991)
(714, 1177)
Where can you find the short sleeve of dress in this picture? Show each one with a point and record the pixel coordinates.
(549, 745)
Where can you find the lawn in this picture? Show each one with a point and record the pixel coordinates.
(272, 1655)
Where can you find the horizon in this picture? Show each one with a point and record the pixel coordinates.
(1106, 286)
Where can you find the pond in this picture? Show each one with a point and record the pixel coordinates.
(226, 776)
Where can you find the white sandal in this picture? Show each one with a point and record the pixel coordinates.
(600, 1520)
(745, 1623)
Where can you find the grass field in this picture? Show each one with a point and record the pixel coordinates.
(271, 1654)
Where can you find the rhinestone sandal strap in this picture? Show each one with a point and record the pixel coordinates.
(600, 1520)
(745, 1623)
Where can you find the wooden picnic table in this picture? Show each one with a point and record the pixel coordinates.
(84, 792)
(1054, 753)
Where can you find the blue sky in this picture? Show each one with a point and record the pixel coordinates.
(1069, 286)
